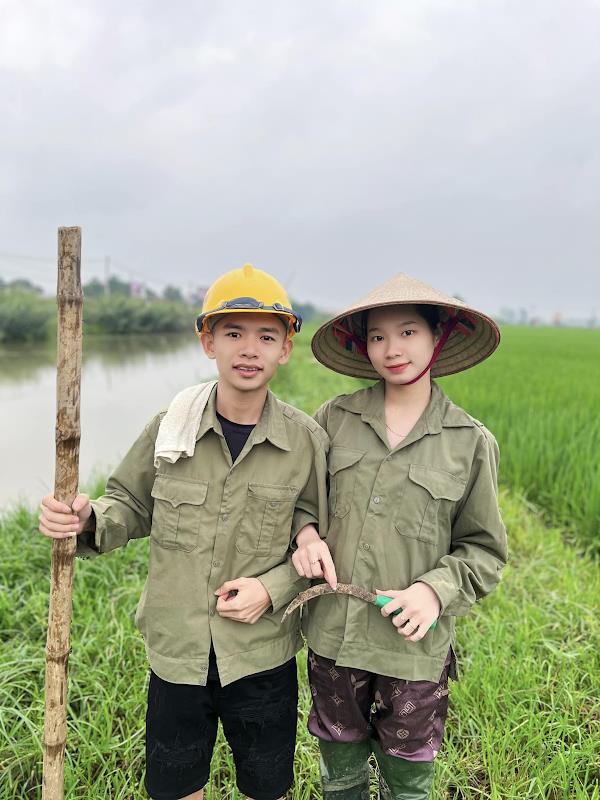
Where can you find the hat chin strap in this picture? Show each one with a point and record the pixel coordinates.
(348, 338)
(447, 328)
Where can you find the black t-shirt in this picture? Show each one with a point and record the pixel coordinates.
(235, 435)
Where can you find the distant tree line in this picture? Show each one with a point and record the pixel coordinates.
(20, 284)
(116, 287)
(521, 316)
(118, 307)
(26, 315)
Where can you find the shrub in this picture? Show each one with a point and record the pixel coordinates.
(24, 316)
(123, 315)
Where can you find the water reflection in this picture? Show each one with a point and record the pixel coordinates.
(125, 381)
(22, 361)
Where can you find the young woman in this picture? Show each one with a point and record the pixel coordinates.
(413, 515)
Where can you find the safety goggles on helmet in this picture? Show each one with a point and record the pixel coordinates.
(251, 304)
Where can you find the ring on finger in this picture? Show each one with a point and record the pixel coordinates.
(316, 561)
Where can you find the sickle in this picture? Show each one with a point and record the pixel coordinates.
(342, 588)
(322, 589)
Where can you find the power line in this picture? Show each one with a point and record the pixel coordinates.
(20, 257)
(36, 267)
(24, 257)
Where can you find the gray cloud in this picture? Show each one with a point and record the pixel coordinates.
(333, 143)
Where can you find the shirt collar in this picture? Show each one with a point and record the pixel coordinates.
(271, 424)
(439, 413)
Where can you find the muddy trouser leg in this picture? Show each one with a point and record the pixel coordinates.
(400, 779)
(345, 770)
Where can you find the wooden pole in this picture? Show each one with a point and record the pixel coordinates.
(70, 304)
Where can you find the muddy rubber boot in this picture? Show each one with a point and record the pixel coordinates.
(400, 779)
(345, 770)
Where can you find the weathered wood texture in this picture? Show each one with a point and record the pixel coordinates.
(324, 588)
(70, 305)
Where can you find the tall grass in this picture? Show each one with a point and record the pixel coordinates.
(524, 719)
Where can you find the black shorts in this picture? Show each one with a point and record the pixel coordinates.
(258, 714)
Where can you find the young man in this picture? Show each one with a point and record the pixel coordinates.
(221, 484)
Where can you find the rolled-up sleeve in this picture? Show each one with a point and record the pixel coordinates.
(478, 541)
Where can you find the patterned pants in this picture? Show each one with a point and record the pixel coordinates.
(352, 705)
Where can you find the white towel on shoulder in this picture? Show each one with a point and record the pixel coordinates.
(178, 429)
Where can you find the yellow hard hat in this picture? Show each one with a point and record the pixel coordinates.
(247, 289)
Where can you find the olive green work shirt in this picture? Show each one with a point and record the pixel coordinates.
(425, 511)
(210, 521)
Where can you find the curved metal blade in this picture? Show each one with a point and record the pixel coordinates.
(324, 588)
(303, 597)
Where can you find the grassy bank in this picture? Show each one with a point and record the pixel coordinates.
(24, 316)
(524, 720)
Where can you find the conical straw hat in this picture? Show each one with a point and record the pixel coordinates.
(474, 338)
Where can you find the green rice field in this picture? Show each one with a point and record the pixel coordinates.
(524, 718)
(539, 394)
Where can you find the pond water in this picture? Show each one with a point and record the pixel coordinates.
(125, 381)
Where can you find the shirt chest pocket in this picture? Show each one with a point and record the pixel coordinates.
(177, 512)
(343, 469)
(427, 503)
(267, 519)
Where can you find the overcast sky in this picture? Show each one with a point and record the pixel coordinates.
(331, 143)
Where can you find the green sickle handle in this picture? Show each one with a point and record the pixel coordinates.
(382, 600)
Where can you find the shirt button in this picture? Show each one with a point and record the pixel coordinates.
(377, 499)
(224, 517)
(273, 504)
(365, 546)
(216, 563)
(211, 613)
